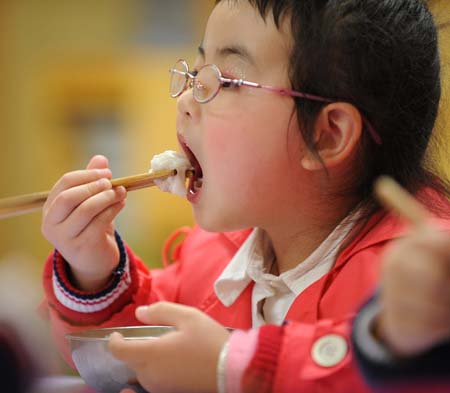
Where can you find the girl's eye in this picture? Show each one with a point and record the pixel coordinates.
(233, 70)
(194, 72)
(228, 75)
(227, 84)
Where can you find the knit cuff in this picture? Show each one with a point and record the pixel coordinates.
(381, 367)
(368, 345)
(90, 302)
(260, 373)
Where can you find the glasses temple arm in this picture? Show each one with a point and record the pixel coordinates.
(288, 92)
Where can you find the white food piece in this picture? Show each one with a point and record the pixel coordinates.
(170, 160)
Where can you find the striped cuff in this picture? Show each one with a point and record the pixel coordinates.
(90, 302)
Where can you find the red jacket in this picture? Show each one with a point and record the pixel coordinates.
(325, 307)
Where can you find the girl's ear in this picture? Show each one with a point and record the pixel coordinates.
(337, 131)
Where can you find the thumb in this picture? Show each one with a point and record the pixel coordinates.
(98, 162)
(166, 313)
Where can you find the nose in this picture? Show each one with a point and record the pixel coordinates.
(187, 108)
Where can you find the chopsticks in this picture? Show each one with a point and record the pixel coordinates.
(395, 198)
(387, 190)
(22, 204)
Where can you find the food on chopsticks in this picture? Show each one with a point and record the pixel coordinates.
(169, 171)
(172, 160)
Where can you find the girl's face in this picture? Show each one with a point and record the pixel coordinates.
(246, 140)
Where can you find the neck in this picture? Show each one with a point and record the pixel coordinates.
(297, 237)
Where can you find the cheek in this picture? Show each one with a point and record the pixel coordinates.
(252, 152)
(228, 153)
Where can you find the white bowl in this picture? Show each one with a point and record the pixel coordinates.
(97, 366)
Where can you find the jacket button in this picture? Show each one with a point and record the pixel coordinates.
(329, 350)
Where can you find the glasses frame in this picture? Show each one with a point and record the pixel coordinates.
(190, 79)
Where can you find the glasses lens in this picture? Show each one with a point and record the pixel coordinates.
(206, 83)
(178, 78)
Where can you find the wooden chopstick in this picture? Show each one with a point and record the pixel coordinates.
(22, 204)
(394, 197)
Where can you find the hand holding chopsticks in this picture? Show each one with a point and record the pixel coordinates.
(23, 204)
(415, 283)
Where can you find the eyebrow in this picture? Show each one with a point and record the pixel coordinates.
(237, 50)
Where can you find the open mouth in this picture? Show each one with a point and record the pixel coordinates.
(195, 180)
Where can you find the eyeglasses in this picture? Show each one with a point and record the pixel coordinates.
(208, 80)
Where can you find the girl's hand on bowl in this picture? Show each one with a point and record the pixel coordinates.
(78, 220)
(183, 360)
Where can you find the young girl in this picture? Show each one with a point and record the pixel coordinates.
(289, 113)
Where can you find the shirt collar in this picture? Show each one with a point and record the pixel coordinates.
(234, 279)
(251, 261)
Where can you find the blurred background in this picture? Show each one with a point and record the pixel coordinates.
(78, 78)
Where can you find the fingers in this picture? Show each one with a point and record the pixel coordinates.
(415, 293)
(102, 221)
(73, 179)
(82, 197)
(420, 262)
(161, 313)
(412, 324)
(121, 349)
(133, 352)
(98, 162)
(69, 199)
(418, 271)
(106, 217)
(97, 168)
(98, 208)
(440, 243)
(165, 313)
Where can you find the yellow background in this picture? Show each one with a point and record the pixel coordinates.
(60, 58)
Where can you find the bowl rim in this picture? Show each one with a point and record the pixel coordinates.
(77, 335)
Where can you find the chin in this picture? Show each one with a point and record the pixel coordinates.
(217, 223)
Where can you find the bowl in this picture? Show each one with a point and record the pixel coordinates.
(97, 366)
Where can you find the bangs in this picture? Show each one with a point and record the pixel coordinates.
(278, 8)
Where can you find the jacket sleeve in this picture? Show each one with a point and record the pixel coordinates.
(311, 358)
(320, 358)
(132, 284)
(429, 371)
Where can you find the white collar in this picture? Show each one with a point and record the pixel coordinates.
(255, 254)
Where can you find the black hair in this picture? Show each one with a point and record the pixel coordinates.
(382, 56)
